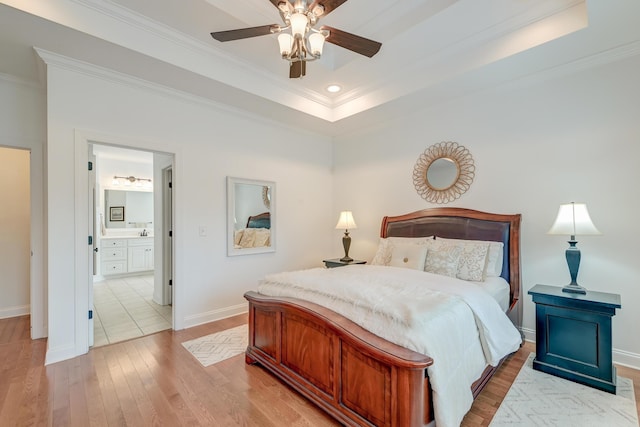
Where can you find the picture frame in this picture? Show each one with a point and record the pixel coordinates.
(116, 213)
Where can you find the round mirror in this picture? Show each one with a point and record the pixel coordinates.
(443, 172)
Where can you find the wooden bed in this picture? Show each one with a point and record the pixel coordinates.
(355, 376)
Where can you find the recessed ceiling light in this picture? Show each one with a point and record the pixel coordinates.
(333, 88)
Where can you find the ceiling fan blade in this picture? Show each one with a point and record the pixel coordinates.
(352, 42)
(329, 5)
(245, 33)
(298, 69)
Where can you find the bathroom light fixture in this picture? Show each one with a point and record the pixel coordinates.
(128, 180)
(334, 88)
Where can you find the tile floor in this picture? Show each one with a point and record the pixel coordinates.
(124, 309)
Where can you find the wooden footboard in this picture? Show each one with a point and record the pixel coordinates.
(355, 376)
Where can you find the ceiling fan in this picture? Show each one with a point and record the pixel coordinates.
(305, 42)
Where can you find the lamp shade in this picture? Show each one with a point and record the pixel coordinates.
(316, 43)
(573, 219)
(286, 42)
(299, 23)
(346, 222)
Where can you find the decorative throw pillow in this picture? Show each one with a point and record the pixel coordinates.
(383, 254)
(385, 245)
(248, 238)
(237, 236)
(262, 237)
(495, 255)
(408, 256)
(442, 258)
(473, 261)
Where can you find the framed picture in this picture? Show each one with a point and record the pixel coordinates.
(116, 213)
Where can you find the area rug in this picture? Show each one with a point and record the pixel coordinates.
(220, 346)
(539, 399)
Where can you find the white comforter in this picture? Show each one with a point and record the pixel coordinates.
(454, 322)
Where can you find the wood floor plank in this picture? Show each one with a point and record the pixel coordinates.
(154, 381)
(126, 401)
(93, 394)
(78, 405)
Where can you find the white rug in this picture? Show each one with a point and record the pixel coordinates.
(222, 345)
(539, 399)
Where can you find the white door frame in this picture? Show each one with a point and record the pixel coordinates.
(167, 236)
(38, 308)
(82, 139)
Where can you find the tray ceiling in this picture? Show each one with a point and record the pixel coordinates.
(431, 50)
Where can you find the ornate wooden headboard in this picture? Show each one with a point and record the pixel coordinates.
(459, 223)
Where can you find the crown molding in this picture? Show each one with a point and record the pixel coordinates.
(605, 57)
(20, 81)
(91, 70)
(164, 32)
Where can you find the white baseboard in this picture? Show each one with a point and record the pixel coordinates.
(620, 357)
(59, 354)
(212, 316)
(20, 310)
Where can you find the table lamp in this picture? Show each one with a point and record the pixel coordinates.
(573, 219)
(346, 222)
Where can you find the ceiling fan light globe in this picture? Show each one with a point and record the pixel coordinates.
(316, 43)
(285, 41)
(299, 24)
(318, 10)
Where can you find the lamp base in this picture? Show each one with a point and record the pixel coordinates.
(574, 288)
(346, 242)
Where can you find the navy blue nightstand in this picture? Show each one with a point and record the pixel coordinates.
(573, 335)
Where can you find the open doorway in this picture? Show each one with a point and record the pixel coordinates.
(15, 229)
(129, 280)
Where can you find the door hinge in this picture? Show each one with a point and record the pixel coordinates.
(90, 166)
(170, 282)
(170, 233)
(90, 240)
(90, 314)
(170, 184)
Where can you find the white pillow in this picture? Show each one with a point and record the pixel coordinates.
(385, 245)
(442, 258)
(408, 256)
(495, 255)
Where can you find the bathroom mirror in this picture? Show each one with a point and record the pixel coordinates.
(128, 209)
(250, 216)
(444, 172)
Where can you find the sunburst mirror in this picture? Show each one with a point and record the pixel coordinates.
(444, 172)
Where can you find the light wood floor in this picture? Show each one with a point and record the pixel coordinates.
(153, 380)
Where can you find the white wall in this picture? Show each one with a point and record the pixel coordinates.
(14, 232)
(22, 125)
(209, 144)
(536, 144)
